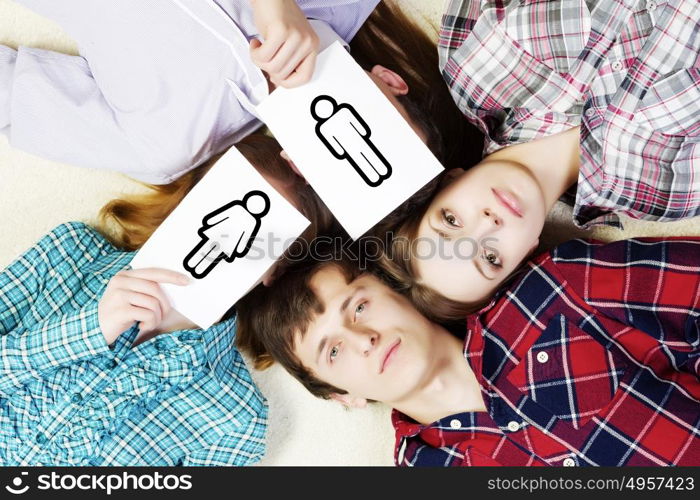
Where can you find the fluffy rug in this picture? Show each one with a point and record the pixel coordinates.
(37, 195)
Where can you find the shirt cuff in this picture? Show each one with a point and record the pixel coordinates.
(75, 336)
(83, 336)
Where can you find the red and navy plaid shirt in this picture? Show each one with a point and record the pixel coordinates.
(590, 357)
(626, 71)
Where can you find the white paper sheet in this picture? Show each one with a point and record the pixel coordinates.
(233, 211)
(349, 142)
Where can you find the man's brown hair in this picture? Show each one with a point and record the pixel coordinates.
(270, 318)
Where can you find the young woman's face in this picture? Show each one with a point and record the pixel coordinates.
(478, 230)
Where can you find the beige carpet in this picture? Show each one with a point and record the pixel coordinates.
(36, 195)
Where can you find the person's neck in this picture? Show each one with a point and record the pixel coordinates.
(554, 161)
(451, 388)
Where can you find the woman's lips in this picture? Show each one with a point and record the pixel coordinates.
(389, 355)
(508, 200)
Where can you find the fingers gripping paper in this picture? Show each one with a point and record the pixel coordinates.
(350, 143)
(226, 233)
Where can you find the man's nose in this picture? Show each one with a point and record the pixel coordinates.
(363, 341)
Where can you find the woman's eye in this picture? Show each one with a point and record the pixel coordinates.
(492, 258)
(334, 352)
(450, 218)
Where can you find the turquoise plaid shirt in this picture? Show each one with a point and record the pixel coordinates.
(67, 398)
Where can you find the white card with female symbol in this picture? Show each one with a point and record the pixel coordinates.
(349, 141)
(227, 232)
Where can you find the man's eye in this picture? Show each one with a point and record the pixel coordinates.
(359, 310)
(450, 218)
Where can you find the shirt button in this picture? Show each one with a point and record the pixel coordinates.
(513, 426)
(651, 6)
(112, 364)
(590, 112)
(569, 462)
(41, 438)
(455, 424)
(616, 66)
(161, 345)
(542, 357)
(77, 398)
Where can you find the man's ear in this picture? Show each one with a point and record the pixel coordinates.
(349, 401)
(397, 85)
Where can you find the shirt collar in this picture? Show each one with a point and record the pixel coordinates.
(474, 422)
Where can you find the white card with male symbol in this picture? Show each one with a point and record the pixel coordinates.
(224, 235)
(349, 141)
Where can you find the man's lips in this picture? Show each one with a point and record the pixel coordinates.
(389, 354)
(508, 200)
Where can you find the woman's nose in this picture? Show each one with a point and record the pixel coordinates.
(492, 217)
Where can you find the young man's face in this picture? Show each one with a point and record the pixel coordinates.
(369, 341)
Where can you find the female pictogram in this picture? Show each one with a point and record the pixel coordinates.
(347, 137)
(227, 233)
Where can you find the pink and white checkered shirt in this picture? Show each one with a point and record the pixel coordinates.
(626, 71)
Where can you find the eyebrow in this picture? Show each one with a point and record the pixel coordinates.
(321, 345)
(343, 308)
(475, 261)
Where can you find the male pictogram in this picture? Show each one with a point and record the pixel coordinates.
(227, 233)
(347, 137)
